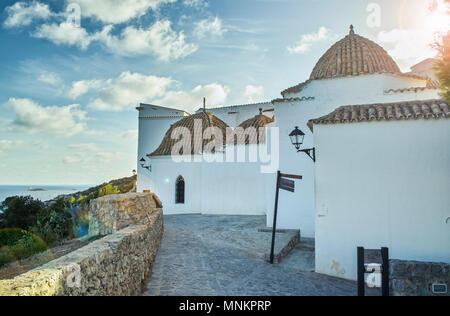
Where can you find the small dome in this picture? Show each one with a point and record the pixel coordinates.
(351, 56)
(259, 121)
(207, 120)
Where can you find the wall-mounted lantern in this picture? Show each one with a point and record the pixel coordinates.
(297, 137)
(144, 165)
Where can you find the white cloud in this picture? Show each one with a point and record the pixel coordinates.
(8, 145)
(89, 153)
(23, 14)
(128, 90)
(65, 34)
(307, 40)
(118, 11)
(407, 46)
(211, 26)
(132, 133)
(82, 87)
(215, 94)
(159, 40)
(64, 121)
(50, 78)
(43, 145)
(253, 93)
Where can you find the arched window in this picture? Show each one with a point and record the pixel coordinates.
(179, 190)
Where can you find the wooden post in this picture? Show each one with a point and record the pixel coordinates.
(275, 211)
(361, 270)
(385, 272)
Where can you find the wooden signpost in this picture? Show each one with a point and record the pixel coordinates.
(283, 183)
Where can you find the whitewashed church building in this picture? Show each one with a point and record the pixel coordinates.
(382, 159)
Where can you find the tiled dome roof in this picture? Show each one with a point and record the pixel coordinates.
(207, 120)
(351, 56)
(258, 121)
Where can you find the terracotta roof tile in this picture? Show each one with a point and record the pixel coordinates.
(282, 100)
(427, 109)
(295, 89)
(413, 89)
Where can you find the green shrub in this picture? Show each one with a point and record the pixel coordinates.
(54, 223)
(10, 236)
(108, 190)
(25, 247)
(127, 187)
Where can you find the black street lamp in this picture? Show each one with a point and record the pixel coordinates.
(297, 137)
(143, 161)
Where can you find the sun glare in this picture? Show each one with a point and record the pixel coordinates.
(438, 20)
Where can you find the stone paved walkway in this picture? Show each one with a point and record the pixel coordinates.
(221, 255)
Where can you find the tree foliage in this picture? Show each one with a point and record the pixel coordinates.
(443, 67)
(19, 212)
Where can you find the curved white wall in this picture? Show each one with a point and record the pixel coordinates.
(382, 184)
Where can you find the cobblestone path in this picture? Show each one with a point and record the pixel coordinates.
(221, 255)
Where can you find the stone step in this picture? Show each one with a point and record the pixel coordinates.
(285, 242)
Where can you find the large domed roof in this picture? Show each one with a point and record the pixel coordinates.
(351, 56)
(207, 120)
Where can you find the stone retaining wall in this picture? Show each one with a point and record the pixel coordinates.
(112, 213)
(118, 264)
(412, 278)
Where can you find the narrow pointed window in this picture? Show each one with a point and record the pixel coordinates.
(179, 190)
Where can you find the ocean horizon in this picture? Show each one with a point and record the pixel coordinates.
(48, 191)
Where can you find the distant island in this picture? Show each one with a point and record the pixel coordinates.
(36, 189)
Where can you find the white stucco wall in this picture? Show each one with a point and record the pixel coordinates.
(210, 187)
(382, 184)
(162, 181)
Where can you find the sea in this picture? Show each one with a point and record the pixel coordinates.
(45, 192)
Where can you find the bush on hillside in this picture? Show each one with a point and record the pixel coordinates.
(108, 190)
(20, 212)
(25, 247)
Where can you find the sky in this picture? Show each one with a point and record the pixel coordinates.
(73, 72)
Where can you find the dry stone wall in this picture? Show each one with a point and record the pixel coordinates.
(118, 264)
(413, 278)
(112, 213)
